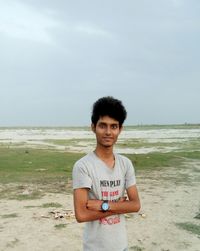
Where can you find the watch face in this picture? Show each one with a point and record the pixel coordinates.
(105, 206)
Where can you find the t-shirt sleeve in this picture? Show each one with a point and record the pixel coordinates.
(80, 176)
(130, 178)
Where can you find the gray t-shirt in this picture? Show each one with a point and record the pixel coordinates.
(104, 183)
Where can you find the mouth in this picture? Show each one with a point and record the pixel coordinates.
(107, 138)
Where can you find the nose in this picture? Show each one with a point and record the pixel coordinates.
(108, 131)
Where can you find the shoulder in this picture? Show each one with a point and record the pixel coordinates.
(123, 159)
(84, 162)
(84, 159)
(124, 163)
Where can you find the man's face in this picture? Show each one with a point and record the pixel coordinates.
(107, 131)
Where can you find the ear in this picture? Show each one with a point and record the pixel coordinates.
(93, 128)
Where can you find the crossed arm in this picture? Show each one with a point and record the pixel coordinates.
(90, 210)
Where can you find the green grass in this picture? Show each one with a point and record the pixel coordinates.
(198, 215)
(156, 160)
(31, 165)
(69, 142)
(136, 248)
(49, 167)
(137, 143)
(5, 216)
(190, 144)
(27, 174)
(51, 204)
(190, 227)
(60, 226)
(170, 126)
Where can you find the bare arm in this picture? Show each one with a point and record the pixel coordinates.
(129, 206)
(121, 206)
(82, 212)
(89, 210)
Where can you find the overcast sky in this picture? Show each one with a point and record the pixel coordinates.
(58, 56)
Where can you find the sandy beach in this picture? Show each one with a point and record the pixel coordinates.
(170, 205)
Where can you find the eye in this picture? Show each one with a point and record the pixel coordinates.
(102, 125)
(114, 126)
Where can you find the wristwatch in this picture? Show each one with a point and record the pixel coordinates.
(105, 206)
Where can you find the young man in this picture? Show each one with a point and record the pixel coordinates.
(100, 180)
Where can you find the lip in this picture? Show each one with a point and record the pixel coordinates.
(107, 138)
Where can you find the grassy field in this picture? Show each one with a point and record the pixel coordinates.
(40, 166)
(45, 166)
(43, 171)
(52, 169)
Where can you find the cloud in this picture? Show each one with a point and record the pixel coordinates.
(23, 22)
(177, 3)
(91, 30)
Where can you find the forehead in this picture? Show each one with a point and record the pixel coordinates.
(107, 120)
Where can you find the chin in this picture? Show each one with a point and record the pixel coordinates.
(107, 145)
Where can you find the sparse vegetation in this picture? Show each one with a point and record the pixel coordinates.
(13, 215)
(16, 165)
(50, 170)
(28, 171)
(51, 204)
(136, 248)
(190, 227)
(60, 226)
(198, 215)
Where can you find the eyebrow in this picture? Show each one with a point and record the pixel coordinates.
(113, 124)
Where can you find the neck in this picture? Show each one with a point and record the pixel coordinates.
(106, 156)
(104, 153)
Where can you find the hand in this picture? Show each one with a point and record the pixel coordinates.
(94, 205)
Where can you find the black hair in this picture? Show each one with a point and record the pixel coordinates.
(108, 106)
